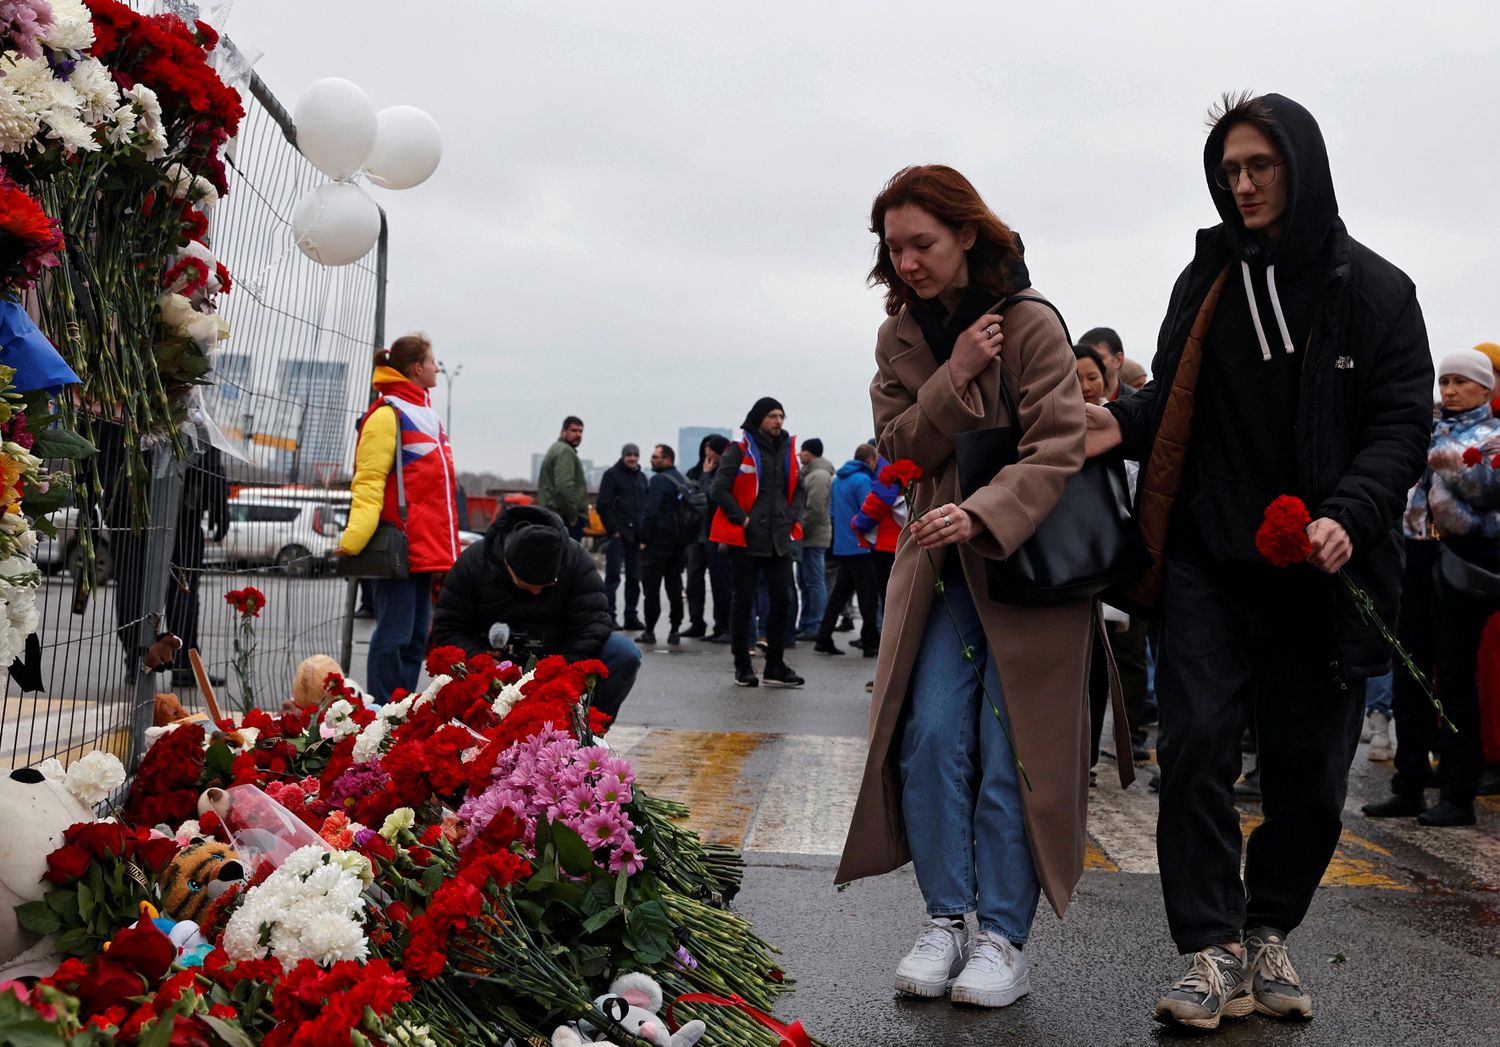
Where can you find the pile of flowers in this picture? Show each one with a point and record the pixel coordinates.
(465, 864)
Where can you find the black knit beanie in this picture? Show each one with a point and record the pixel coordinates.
(764, 406)
(534, 552)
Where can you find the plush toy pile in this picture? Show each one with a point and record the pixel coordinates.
(471, 864)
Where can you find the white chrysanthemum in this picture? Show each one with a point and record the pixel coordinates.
(367, 745)
(72, 28)
(20, 619)
(98, 94)
(18, 125)
(309, 908)
(52, 101)
(94, 777)
(354, 862)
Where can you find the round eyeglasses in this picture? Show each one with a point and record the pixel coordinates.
(1262, 173)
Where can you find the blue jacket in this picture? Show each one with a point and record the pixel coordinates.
(849, 489)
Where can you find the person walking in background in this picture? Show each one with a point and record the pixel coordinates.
(1091, 374)
(205, 505)
(561, 485)
(853, 575)
(941, 784)
(665, 535)
(817, 536)
(759, 499)
(1111, 351)
(1133, 375)
(622, 496)
(704, 560)
(878, 523)
(1451, 525)
(402, 421)
(1293, 360)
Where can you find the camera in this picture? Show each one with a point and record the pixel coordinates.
(520, 647)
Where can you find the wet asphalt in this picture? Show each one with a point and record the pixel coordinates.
(1414, 965)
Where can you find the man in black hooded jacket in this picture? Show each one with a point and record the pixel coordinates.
(1293, 360)
(529, 575)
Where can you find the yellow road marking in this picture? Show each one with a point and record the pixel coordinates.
(1344, 869)
(702, 770)
(1094, 858)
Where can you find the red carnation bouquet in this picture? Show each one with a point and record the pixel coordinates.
(247, 604)
(1282, 539)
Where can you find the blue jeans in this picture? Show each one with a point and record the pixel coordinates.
(1378, 693)
(623, 553)
(810, 580)
(960, 790)
(403, 610)
(623, 660)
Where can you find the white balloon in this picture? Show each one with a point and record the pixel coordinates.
(408, 146)
(335, 126)
(336, 224)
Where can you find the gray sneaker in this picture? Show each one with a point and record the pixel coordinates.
(936, 957)
(1278, 990)
(1216, 986)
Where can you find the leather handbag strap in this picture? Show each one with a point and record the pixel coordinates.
(1000, 307)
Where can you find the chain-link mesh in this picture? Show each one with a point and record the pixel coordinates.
(262, 509)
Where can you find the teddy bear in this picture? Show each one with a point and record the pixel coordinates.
(37, 811)
(633, 1002)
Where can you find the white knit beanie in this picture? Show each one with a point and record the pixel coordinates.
(1470, 364)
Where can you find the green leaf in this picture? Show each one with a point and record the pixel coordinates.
(218, 761)
(599, 919)
(38, 917)
(597, 897)
(85, 900)
(73, 940)
(572, 852)
(229, 1032)
(432, 879)
(44, 502)
(60, 443)
(650, 929)
(620, 881)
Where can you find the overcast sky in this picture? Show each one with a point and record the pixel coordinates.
(650, 214)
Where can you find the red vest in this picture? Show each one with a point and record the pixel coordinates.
(747, 486)
(427, 471)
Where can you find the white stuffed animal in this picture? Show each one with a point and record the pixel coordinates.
(634, 1003)
(566, 1036)
(34, 811)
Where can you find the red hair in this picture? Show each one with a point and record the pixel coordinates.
(952, 199)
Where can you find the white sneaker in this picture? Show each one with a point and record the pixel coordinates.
(995, 975)
(1380, 737)
(934, 959)
(1364, 732)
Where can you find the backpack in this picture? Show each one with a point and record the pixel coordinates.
(684, 519)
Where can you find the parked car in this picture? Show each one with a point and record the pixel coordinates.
(65, 552)
(266, 528)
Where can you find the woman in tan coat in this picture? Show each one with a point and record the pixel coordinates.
(942, 786)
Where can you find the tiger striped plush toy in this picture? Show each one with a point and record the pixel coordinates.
(201, 872)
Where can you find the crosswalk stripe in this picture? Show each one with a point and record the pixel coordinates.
(794, 794)
(809, 799)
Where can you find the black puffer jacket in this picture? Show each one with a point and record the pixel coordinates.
(1364, 403)
(570, 618)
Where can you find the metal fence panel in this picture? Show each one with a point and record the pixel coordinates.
(265, 512)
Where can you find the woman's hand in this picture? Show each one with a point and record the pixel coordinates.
(945, 525)
(1101, 432)
(975, 348)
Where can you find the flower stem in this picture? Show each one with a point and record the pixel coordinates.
(1367, 611)
(941, 590)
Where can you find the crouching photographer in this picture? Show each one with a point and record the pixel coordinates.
(529, 589)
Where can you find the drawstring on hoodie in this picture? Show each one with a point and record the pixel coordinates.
(1260, 331)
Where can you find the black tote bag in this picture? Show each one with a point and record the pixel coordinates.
(385, 555)
(1086, 545)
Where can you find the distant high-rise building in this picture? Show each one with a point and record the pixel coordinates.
(690, 436)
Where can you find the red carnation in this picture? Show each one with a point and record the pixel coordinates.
(247, 602)
(1282, 535)
(902, 473)
(1472, 456)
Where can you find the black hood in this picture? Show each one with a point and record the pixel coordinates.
(1311, 207)
(516, 516)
